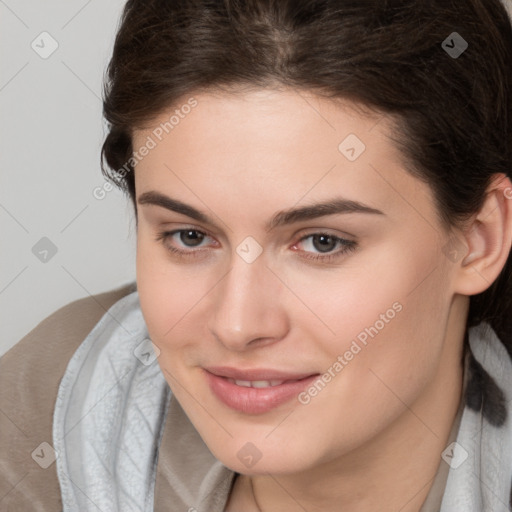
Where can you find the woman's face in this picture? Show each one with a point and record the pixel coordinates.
(349, 299)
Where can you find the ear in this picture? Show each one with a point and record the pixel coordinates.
(488, 237)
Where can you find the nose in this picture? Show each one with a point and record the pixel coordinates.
(248, 309)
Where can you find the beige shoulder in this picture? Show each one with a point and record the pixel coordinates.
(30, 373)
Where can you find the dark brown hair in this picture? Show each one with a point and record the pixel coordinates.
(453, 112)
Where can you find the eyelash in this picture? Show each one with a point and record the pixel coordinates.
(348, 245)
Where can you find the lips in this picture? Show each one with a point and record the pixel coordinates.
(255, 391)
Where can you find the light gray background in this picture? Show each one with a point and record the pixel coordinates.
(51, 131)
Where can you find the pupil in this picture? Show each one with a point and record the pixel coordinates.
(327, 243)
(191, 236)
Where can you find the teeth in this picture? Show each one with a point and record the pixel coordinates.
(244, 383)
(256, 383)
(262, 383)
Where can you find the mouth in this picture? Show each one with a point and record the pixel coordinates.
(259, 383)
(255, 391)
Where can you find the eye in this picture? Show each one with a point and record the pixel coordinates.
(316, 246)
(190, 237)
(325, 244)
(175, 241)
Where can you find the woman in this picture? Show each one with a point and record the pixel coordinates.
(322, 312)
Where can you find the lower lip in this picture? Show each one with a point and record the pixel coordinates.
(255, 400)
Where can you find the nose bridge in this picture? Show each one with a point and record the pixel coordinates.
(246, 305)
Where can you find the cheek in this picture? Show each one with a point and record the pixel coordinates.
(388, 315)
(389, 335)
(368, 290)
(174, 300)
(166, 293)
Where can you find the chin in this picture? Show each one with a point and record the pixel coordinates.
(261, 457)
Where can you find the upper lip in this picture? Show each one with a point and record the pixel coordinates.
(254, 374)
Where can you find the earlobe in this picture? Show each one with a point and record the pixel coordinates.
(489, 239)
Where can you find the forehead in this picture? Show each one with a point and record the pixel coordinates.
(282, 145)
(263, 113)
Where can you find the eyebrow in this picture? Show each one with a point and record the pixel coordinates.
(285, 217)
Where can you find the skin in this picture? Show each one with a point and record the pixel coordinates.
(372, 438)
